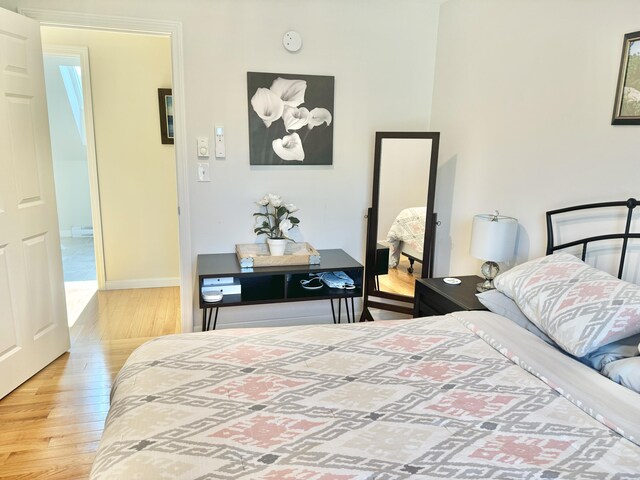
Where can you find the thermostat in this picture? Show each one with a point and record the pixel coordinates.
(220, 150)
(292, 41)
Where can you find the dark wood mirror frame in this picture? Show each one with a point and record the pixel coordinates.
(373, 297)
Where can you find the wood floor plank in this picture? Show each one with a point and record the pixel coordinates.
(76, 438)
(70, 411)
(51, 466)
(79, 397)
(60, 424)
(23, 413)
(399, 280)
(19, 445)
(49, 429)
(52, 424)
(28, 456)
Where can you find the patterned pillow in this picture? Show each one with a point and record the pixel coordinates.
(579, 307)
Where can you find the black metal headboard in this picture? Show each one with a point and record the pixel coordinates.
(624, 236)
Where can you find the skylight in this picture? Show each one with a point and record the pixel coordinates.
(72, 78)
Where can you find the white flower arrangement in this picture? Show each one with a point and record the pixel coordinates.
(283, 100)
(276, 220)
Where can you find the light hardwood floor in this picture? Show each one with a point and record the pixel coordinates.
(51, 425)
(398, 280)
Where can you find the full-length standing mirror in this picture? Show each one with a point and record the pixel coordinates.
(401, 220)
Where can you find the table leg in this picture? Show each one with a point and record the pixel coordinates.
(346, 307)
(210, 309)
(333, 312)
(353, 310)
(215, 320)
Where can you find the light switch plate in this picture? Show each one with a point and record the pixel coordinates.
(203, 172)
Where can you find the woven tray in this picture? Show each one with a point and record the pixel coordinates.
(257, 255)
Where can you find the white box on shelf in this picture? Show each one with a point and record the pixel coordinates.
(214, 281)
(234, 288)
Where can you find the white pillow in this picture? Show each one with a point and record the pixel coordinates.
(579, 307)
(498, 302)
(625, 372)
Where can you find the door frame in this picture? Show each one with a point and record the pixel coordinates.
(92, 162)
(172, 29)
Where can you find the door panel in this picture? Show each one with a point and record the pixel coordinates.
(23, 152)
(37, 259)
(33, 322)
(8, 333)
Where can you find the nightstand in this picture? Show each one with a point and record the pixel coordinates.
(435, 297)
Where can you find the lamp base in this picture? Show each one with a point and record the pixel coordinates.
(484, 286)
(489, 271)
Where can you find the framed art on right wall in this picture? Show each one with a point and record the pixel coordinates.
(627, 107)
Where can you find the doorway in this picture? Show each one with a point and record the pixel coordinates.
(67, 80)
(135, 174)
(172, 29)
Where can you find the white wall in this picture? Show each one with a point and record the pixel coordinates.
(136, 172)
(523, 96)
(382, 54)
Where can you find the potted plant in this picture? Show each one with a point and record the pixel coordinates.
(275, 222)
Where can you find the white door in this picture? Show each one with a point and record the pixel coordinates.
(33, 323)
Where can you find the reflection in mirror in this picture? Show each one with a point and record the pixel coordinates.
(402, 207)
(401, 219)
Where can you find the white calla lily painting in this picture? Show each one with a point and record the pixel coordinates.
(290, 119)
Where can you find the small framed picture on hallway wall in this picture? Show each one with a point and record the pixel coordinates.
(627, 108)
(165, 103)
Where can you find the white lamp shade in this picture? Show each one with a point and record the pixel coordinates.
(493, 237)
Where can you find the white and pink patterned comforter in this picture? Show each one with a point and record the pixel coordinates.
(422, 398)
(407, 233)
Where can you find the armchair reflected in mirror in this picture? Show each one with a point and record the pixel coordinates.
(401, 221)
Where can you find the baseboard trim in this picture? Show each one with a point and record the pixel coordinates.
(142, 283)
(274, 322)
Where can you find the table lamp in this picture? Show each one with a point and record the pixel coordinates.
(493, 238)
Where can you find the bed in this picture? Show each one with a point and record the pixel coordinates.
(406, 236)
(467, 395)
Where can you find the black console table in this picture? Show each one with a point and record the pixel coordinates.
(280, 284)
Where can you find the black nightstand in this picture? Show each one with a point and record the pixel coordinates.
(434, 297)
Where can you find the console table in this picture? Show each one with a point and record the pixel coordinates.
(280, 284)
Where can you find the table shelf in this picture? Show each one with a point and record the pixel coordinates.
(262, 285)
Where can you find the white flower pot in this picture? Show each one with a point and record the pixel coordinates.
(277, 246)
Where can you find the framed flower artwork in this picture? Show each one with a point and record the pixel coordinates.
(627, 107)
(290, 119)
